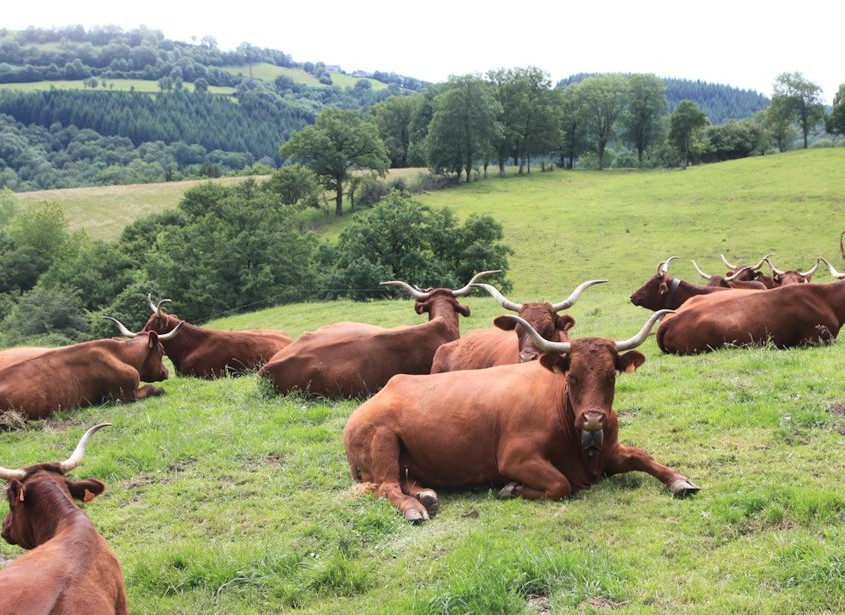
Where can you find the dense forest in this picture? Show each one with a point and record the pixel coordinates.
(212, 112)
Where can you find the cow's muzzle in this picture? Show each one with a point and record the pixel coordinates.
(592, 433)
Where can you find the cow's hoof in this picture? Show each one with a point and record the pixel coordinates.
(682, 488)
(415, 515)
(511, 490)
(428, 498)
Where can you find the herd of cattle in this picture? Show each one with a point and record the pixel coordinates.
(520, 406)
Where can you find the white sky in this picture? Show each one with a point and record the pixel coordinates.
(742, 43)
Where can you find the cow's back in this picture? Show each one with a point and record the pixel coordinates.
(477, 349)
(24, 353)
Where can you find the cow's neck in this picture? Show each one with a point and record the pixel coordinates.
(445, 309)
(187, 338)
(53, 510)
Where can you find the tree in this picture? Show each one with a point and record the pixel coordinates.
(295, 184)
(402, 239)
(571, 121)
(779, 123)
(836, 120)
(340, 142)
(464, 125)
(647, 107)
(603, 101)
(528, 117)
(802, 99)
(686, 119)
(393, 118)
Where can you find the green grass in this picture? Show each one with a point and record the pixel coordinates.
(224, 498)
(269, 72)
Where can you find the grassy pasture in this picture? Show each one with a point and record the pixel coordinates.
(269, 72)
(224, 498)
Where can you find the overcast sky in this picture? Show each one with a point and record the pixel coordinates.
(742, 43)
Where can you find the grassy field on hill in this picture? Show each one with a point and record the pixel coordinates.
(120, 85)
(225, 498)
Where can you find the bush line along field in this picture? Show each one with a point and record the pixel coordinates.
(225, 498)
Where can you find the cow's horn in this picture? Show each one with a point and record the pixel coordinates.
(468, 288)
(640, 337)
(762, 260)
(156, 308)
(539, 341)
(700, 272)
(7, 474)
(123, 330)
(500, 298)
(841, 247)
(727, 263)
(775, 270)
(571, 299)
(735, 274)
(811, 270)
(163, 337)
(663, 268)
(414, 292)
(76, 458)
(836, 274)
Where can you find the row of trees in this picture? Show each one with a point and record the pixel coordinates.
(222, 249)
(515, 115)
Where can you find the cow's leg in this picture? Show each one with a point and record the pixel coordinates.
(385, 471)
(148, 390)
(428, 497)
(534, 477)
(632, 459)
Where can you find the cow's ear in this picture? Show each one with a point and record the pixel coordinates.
(86, 490)
(630, 361)
(152, 339)
(555, 362)
(463, 310)
(505, 323)
(421, 306)
(663, 288)
(564, 323)
(15, 490)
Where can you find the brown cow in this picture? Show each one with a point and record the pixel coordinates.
(792, 276)
(542, 429)
(496, 345)
(84, 374)
(750, 272)
(11, 356)
(349, 359)
(792, 315)
(663, 291)
(211, 353)
(69, 568)
(745, 276)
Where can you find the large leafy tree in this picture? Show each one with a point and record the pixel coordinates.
(406, 240)
(836, 120)
(528, 117)
(393, 118)
(647, 108)
(571, 134)
(339, 143)
(686, 120)
(779, 123)
(602, 99)
(464, 125)
(801, 98)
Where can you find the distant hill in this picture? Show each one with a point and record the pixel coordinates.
(106, 106)
(720, 102)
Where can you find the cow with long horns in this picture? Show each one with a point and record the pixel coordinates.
(507, 342)
(665, 292)
(541, 429)
(744, 276)
(211, 353)
(792, 276)
(349, 359)
(69, 567)
(85, 374)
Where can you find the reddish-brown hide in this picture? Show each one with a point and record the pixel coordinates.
(496, 345)
(350, 359)
(69, 568)
(83, 374)
(541, 429)
(211, 353)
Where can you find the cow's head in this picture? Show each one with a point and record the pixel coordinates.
(160, 321)
(732, 279)
(542, 316)
(590, 365)
(38, 494)
(440, 301)
(152, 367)
(792, 276)
(652, 295)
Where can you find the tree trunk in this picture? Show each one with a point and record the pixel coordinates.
(338, 199)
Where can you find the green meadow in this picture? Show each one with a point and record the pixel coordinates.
(226, 498)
